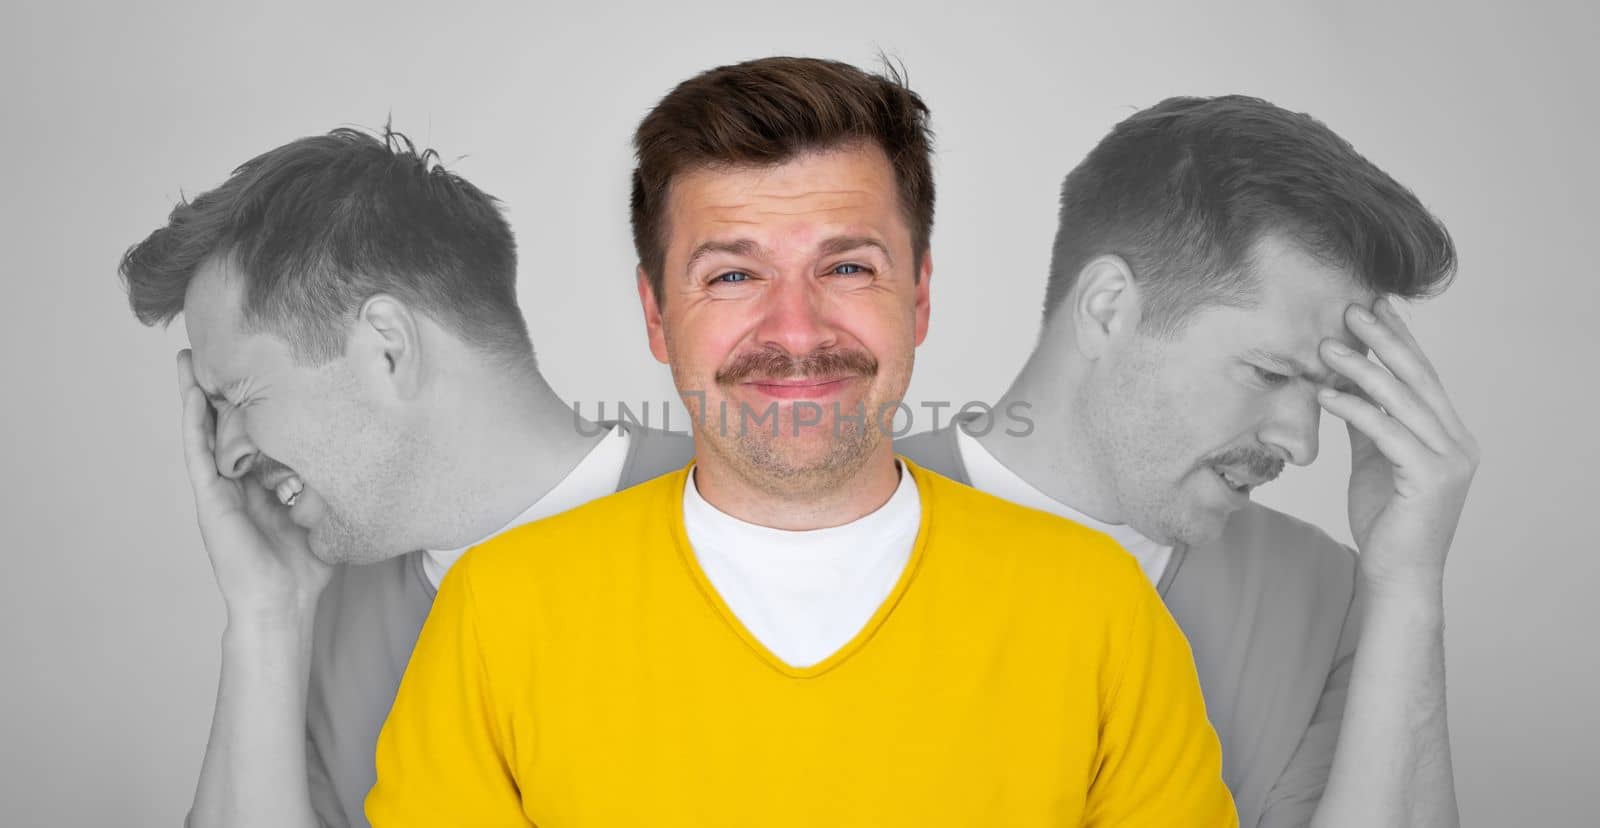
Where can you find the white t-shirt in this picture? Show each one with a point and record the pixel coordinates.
(596, 475)
(804, 594)
(989, 475)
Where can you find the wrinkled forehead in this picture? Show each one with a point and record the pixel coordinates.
(1301, 299)
(797, 202)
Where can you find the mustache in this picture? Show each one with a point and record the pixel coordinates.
(774, 363)
(1259, 463)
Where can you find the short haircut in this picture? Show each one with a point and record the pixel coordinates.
(1185, 189)
(319, 225)
(767, 112)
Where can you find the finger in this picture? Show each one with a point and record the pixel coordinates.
(197, 456)
(1404, 359)
(187, 382)
(1403, 356)
(271, 517)
(1389, 313)
(264, 509)
(1397, 442)
(1361, 446)
(186, 378)
(1385, 389)
(1434, 393)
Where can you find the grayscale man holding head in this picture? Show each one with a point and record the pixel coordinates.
(799, 629)
(1222, 270)
(360, 404)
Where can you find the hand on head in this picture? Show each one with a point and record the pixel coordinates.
(1412, 458)
(261, 559)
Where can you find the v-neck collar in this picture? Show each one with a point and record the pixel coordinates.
(857, 642)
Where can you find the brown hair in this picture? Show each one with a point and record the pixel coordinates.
(764, 113)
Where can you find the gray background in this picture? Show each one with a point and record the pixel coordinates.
(110, 615)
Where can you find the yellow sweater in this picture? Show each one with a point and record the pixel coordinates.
(581, 671)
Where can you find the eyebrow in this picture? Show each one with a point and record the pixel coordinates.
(1290, 365)
(842, 244)
(748, 247)
(742, 247)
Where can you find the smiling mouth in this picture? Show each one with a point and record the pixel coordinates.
(799, 383)
(287, 489)
(1238, 484)
(803, 387)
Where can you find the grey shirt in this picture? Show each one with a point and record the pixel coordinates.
(368, 620)
(1270, 612)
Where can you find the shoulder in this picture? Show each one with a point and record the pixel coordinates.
(367, 623)
(653, 452)
(1265, 539)
(933, 450)
(1268, 571)
(919, 445)
(376, 594)
(993, 530)
(588, 538)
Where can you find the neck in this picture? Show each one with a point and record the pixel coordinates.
(1058, 457)
(501, 440)
(779, 504)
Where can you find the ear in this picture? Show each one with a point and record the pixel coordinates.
(1104, 305)
(924, 276)
(387, 345)
(652, 316)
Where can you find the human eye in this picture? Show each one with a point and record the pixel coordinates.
(225, 405)
(848, 269)
(1271, 379)
(730, 277)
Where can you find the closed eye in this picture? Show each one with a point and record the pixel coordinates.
(1271, 379)
(220, 403)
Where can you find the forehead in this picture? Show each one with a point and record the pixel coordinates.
(1299, 301)
(838, 188)
(213, 314)
(1301, 290)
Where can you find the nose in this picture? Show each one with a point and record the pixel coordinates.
(1292, 426)
(793, 317)
(235, 454)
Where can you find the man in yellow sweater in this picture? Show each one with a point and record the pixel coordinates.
(798, 629)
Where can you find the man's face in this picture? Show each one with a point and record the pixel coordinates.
(304, 432)
(789, 298)
(1186, 427)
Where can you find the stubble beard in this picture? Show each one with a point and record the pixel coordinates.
(1127, 423)
(395, 502)
(785, 464)
(335, 540)
(762, 461)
